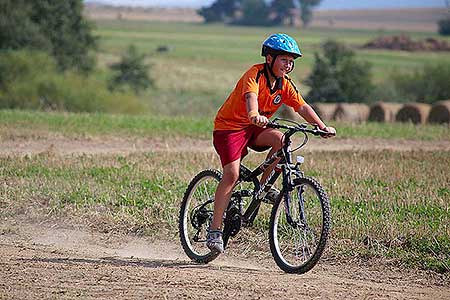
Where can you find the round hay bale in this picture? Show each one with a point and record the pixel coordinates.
(351, 112)
(384, 112)
(324, 110)
(440, 112)
(417, 113)
(287, 112)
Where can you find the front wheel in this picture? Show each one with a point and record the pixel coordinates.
(196, 215)
(299, 226)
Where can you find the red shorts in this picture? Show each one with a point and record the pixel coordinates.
(232, 144)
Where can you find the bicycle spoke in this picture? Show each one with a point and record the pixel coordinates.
(296, 236)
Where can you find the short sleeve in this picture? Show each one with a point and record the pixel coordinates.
(249, 83)
(294, 99)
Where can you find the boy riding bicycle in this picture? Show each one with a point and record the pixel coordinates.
(241, 121)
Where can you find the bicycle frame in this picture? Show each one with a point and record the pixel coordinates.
(284, 167)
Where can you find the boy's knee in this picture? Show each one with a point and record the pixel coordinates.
(230, 176)
(277, 142)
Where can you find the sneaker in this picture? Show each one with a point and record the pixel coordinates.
(214, 241)
(271, 196)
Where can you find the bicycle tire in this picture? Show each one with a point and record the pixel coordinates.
(307, 238)
(193, 199)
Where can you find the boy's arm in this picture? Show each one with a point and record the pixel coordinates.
(251, 101)
(308, 113)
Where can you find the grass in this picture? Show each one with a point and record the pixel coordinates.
(205, 62)
(27, 124)
(384, 204)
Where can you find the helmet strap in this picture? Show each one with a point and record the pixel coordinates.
(279, 80)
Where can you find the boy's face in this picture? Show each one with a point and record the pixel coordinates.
(283, 64)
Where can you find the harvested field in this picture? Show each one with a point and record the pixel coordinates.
(416, 19)
(100, 12)
(405, 43)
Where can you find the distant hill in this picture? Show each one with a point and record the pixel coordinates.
(324, 5)
(408, 19)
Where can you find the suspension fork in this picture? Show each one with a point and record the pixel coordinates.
(287, 188)
(301, 201)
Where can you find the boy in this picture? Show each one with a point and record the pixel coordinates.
(240, 122)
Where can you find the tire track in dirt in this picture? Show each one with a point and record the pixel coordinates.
(108, 145)
(53, 262)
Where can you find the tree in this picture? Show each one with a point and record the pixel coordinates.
(338, 77)
(130, 72)
(444, 26)
(283, 11)
(428, 84)
(254, 13)
(17, 30)
(57, 27)
(306, 7)
(220, 11)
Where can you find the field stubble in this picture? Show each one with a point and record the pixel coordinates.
(385, 204)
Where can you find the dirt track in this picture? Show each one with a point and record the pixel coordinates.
(109, 145)
(48, 261)
(55, 261)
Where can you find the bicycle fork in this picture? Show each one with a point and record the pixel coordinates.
(288, 186)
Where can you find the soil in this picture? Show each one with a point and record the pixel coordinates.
(57, 260)
(61, 145)
(52, 261)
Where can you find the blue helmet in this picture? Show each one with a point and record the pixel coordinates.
(280, 43)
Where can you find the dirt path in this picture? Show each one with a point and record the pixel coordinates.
(111, 145)
(48, 261)
(51, 261)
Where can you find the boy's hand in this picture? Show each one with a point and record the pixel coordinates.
(259, 120)
(331, 132)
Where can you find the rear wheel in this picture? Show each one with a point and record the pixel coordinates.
(196, 215)
(299, 226)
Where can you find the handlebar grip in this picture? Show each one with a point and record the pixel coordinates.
(324, 133)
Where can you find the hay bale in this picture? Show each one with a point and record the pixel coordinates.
(384, 112)
(351, 112)
(440, 112)
(417, 113)
(287, 112)
(324, 110)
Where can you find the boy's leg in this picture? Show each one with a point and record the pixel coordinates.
(223, 192)
(273, 138)
(214, 239)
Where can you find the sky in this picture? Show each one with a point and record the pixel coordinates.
(325, 4)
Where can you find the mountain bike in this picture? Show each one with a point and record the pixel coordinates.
(300, 218)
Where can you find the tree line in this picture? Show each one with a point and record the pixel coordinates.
(259, 12)
(48, 53)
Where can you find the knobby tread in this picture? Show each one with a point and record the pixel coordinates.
(325, 204)
(203, 259)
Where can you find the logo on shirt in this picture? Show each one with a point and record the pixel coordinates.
(277, 99)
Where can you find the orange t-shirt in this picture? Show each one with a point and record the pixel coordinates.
(233, 114)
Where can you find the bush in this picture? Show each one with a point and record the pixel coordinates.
(30, 80)
(338, 77)
(444, 26)
(131, 72)
(428, 85)
(56, 27)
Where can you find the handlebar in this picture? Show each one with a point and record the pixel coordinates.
(305, 128)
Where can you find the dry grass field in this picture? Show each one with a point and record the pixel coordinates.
(414, 19)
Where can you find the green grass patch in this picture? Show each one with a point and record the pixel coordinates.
(205, 61)
(27, 123)
(384, 204)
